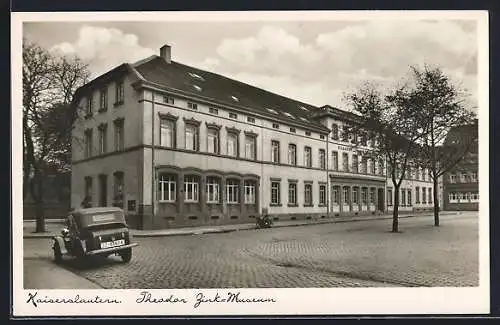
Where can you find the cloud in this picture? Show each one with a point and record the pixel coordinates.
(318, 70)
(105, 48)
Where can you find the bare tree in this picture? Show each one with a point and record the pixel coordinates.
(49, 82)
(442, 108)
(392, 124)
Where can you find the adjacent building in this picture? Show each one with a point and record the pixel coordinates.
(461, 184)
(177, 146)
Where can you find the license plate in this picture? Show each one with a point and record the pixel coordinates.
(115, 243)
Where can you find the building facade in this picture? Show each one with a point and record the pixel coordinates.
(177, 146)
(461, 183)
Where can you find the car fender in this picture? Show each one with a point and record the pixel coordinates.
(60, 241)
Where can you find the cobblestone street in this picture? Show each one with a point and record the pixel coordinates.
(351, 254)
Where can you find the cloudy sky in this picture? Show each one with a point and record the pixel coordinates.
(312, 61)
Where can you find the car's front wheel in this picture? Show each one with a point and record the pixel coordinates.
(126, 255)
(57, 253)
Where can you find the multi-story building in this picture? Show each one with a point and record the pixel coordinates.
(461, 183)
(174, 145)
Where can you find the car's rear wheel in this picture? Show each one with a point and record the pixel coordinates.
(126, 255)
(57, 253)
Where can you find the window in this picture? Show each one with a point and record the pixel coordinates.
(167, 188)
(473, 177)
(213, 140)
(249, 192)
(276, 126)
(103, 190)
(389, 196)
(293, 130)
(118, 192)
(363, 139)
(292, 193)
(213, 111)
(453, 178)
(475, 197)
(168, 100)
(190, 188)
(364, 195)
(275, 153)
(345, 133)
(345, 161)
(354, 163)
(335, 132)
(90, 105)
(355, 195)
(372, 195)
(452, 197)
(250, 147)
(464, 177)
(322, 194)
(346, 195)
(308, 198)
(233, 116)
(424, 197)
(321, 136)
(403, 197)
(232, 192)
(119, 135)
(88, 190)
(335, 195)
(417, 195)
(381, 167)
(308, 133)
(335, 160)
(275, 192)
(292, 154)
(424, 174)
(354, 138)
(232, 144)
(167, 133)
(191, 137)
(88, 143)
(430, 195)
(103, 137)
(213, 190)
(119, 93)
(307, 157)
(250, 119)
(372, 166)
(103, 100)
(364, 165)
(409, 198)
(192, 106)
(322, 159)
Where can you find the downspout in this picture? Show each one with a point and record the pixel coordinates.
(327, 154)
(152, 155)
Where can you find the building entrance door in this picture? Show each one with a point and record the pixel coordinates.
(381, 200)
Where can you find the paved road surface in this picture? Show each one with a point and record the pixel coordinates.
(357, 254)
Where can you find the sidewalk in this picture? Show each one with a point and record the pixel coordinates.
(54, 226)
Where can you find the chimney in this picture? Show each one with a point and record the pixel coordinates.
(166, 52)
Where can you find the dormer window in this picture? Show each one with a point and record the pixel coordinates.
(196, 76)
(236, 99)
(289, 115)
(304, 119)
(270, 110)
(303, 108)
(198, 88)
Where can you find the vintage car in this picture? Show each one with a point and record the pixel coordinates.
(94, 231)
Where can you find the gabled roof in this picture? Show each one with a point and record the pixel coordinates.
(226, 91)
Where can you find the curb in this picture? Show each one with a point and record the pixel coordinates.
(249, 227)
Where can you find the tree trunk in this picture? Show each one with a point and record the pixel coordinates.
(395, 216)
(37, 193)
(436, 202)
